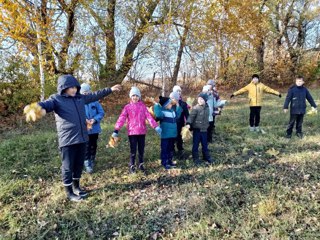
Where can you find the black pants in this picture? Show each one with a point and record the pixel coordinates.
(136, 141)
(167, 148)
(179, 141)
(72, 162)
(200, 137)
(210, 132)
(298, 118)
(92, 146)
(254, 120)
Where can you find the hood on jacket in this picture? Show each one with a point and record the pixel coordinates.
(67, 81)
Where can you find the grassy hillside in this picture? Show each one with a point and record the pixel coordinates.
(262, 186)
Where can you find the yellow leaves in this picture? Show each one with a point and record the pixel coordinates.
(33, 112)
(190, 101)
(186, 134)
(149, 101)
(113, 142)
(312, 111)
(267, 208)
(272, 152)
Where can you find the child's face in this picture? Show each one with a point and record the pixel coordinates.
(173, 101)
(169, 106)
(299, 82)
(135, 98)
(255, 80)
(179, 91)
(72, 91)
(201, 101)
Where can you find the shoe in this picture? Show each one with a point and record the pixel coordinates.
(141, 167)
(252, 129)
(132, 169)
(167, 167)
(70, 194)
(258, 129)
(299, 135)
(87, 166)
(288, 136)
(172, 164)
(77, 190)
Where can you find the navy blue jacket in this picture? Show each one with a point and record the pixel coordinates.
(297, 97)
(184, 115)
(70, 111)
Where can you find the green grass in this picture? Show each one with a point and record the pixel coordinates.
(246, 194)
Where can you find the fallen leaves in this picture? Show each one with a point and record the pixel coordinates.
(33, 112)
(113, 142)
(186, 134)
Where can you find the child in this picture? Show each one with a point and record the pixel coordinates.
(168, 123)
(198, 121)
(181, 120)
(296, 97)
(211, 102)
(255, 91)
(94, 114)
(135, 114)
(69, 108)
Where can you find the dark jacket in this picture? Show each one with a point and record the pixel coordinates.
(199, 118)
(185, 113)
(297, 97)
(70, 111)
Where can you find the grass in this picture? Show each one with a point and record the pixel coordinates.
(247, 194)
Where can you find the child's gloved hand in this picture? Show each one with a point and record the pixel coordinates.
(33, 112)
(158, 130)
(115, 135)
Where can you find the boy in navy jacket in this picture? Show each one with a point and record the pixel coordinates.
(296, 97)
(69, 108)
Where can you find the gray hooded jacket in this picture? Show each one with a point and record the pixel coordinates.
(70, 111)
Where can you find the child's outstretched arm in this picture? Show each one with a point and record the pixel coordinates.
(150, 119)
(310, 99)
(121, 120)
(240, 91)
(95, 96)
(271, 91)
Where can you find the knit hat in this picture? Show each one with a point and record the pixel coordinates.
(164, 101)
(204, 96)
(135, 91)
(85, 87)
(211, 82)
(176, 88)
(206, 88)
(175, 96)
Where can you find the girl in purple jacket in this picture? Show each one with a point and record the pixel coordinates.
(135, 115)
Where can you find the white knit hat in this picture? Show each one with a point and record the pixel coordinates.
(135, 91)
(85, 87)
(211, 82)
(176, 88)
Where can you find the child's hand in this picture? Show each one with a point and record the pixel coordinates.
(116, 88)
(115, 135)
(187, 126)
(158, 130)
(89, 122)
(34, 112)
(285, 110)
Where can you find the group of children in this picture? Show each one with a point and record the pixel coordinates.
(78, 115)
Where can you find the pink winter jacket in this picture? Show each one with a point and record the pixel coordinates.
(135, 114)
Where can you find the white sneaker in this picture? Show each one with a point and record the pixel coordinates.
(258, 129)
(252, 129)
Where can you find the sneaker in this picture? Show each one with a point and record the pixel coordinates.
(257, 129)
(141, 167)
(87, 166)
(80, 192)
(132, 169)
(167, 167)
(172, 164)
(299, 135)
(252, 129)
(288, 136)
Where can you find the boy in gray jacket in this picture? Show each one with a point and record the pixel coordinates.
(198, 121)
(68, 106)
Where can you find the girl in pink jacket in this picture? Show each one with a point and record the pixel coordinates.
(135, 115)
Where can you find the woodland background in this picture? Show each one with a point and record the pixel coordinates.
(153, 42)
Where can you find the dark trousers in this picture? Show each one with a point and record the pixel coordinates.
(200, 137)
(210, 132)
(72, 162)
(92, 146)
(136, 141)
(179, 141)
(167, 148)
(298, 118)
(254, 116)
